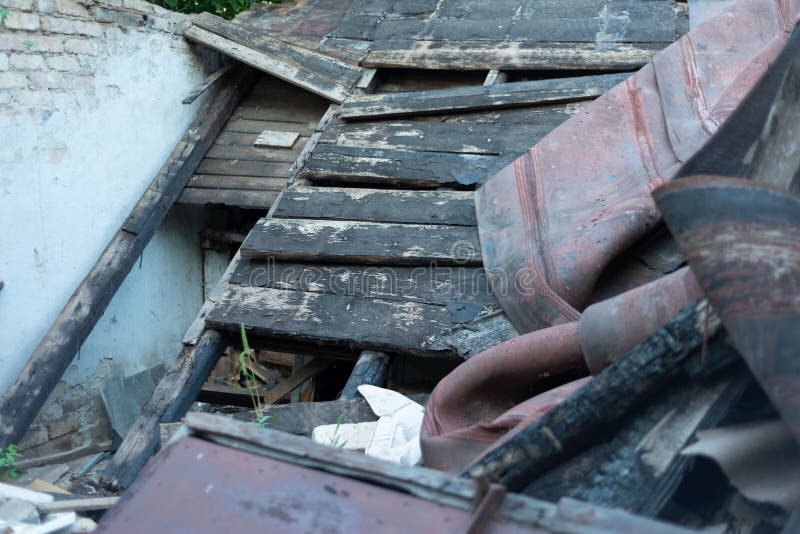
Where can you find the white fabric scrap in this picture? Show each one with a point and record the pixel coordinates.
(396, 436)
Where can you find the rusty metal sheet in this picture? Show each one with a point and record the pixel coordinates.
(742, 241)
(552, 220)
(197, 486)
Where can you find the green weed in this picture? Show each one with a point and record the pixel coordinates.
(336, 439)
(8, 466)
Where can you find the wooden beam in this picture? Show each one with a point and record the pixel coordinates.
(241, 198)
(322, 75)
(207, 83)
(464, 99)
(600, 404)
(372, 368)
(22, 401)
(407, 168)
(324, 318)
(170, 401)
(477, 55)
(379, 205)
(318, 240)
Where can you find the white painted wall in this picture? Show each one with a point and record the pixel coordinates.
(74, 160)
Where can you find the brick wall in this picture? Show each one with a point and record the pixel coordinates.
(52, 46)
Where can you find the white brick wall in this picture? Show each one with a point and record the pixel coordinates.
(52, 45)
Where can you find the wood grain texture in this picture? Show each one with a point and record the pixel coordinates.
(505, 95)
(429, 285)
(323, 75)
(378, 205)
(401, 167)
(240, 198)
(362, 242)
(478, 55)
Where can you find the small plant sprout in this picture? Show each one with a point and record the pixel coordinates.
(248, 356)
(8, 466)
(3, 16)
(336, 439)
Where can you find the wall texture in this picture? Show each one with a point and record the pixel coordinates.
(90, 107)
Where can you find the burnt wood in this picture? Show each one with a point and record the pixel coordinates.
(315, 72)
(429, 285)
(504, 95)
(406, 168)
(317, 240)
(22, 401)
(364, 323)
(377, 205)
(595, 409)
(372, 368)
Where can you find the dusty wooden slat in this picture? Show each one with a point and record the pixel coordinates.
(431, 285)
(506, 95)
(255, 127)
(493, 77)
(253, 153)
(378, 205)
(325, 318)
(240, 167)
(302, 159)
(514, 130)
(170, 401)
(477, 55)
(275, 66)
(248, 199)
(276, 139)
(273, 44)
(208, 82)
(354, 241)
(322, 75)
(22, 401)
(283, 110)
(221, 181)
(419, 169)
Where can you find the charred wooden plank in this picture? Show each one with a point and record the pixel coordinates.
(372, 368)
(22, 401)
(377, 205)
(579, 420)
(500, 132)
(362, 242)
(646, 446)
(170, 401)
(241, 198)
(430, 285)
(409, 167)
(363, 323)
(485, 55)
(322, 75)
(207, 83)
(506, 95)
